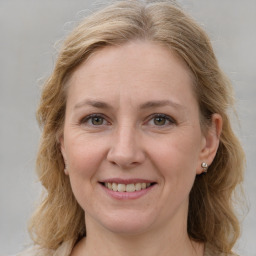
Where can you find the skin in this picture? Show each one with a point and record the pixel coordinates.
(125, 87)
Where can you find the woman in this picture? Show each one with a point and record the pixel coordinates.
(137, 155)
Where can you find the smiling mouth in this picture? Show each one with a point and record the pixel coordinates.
(119, 187)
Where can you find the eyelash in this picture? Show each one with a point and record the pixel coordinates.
(166, 118)
(90, 117)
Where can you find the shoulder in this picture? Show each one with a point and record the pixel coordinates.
(211, 251)
(63, 250)
(35, 251)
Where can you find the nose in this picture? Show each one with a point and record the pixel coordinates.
(126, 150)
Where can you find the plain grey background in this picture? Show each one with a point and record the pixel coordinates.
(28, 32)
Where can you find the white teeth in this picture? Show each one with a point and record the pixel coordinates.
(121, 187)
(114, 186)
(127, 188)
(138, 186)
(143, 185)
(130, 188)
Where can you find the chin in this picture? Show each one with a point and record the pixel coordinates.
(127, 224)
(127, 228)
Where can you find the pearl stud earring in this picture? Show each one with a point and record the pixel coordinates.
(66, 169)
(204, 165)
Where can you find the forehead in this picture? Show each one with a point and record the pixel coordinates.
(134, 67)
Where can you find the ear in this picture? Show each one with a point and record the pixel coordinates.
(210, 142)
(63, 152)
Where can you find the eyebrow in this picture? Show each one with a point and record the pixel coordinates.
(148, 104)
(161, 103)
(93, 103)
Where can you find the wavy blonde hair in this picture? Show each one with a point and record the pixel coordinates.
(211, 217)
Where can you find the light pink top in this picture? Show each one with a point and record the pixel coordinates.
(66, 248)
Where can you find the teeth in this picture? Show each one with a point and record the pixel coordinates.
(127, 188)
(143, 185)
(121, 188)
(138, 186)
(130, 188)
(114, 186)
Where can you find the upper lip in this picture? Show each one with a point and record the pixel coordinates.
(126, 181)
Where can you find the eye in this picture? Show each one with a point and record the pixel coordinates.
(97, 120)
(94, 120)
(161, 120)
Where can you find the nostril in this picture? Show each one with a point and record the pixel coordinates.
(124, 161)
(125, 152)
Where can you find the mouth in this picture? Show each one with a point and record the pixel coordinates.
(129, 188)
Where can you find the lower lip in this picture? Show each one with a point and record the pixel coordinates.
(127, 195)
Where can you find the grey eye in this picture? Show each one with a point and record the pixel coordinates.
(159, 120)
(97, 120)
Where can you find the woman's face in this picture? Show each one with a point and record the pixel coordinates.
(132, 139)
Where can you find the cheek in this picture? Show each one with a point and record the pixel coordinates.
(84, 161)
(84, 157)
(177, 157)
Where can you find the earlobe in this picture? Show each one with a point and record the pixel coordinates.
(211, 143)
(62, 148)
(63, 152)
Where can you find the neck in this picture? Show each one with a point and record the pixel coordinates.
(166, 241)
